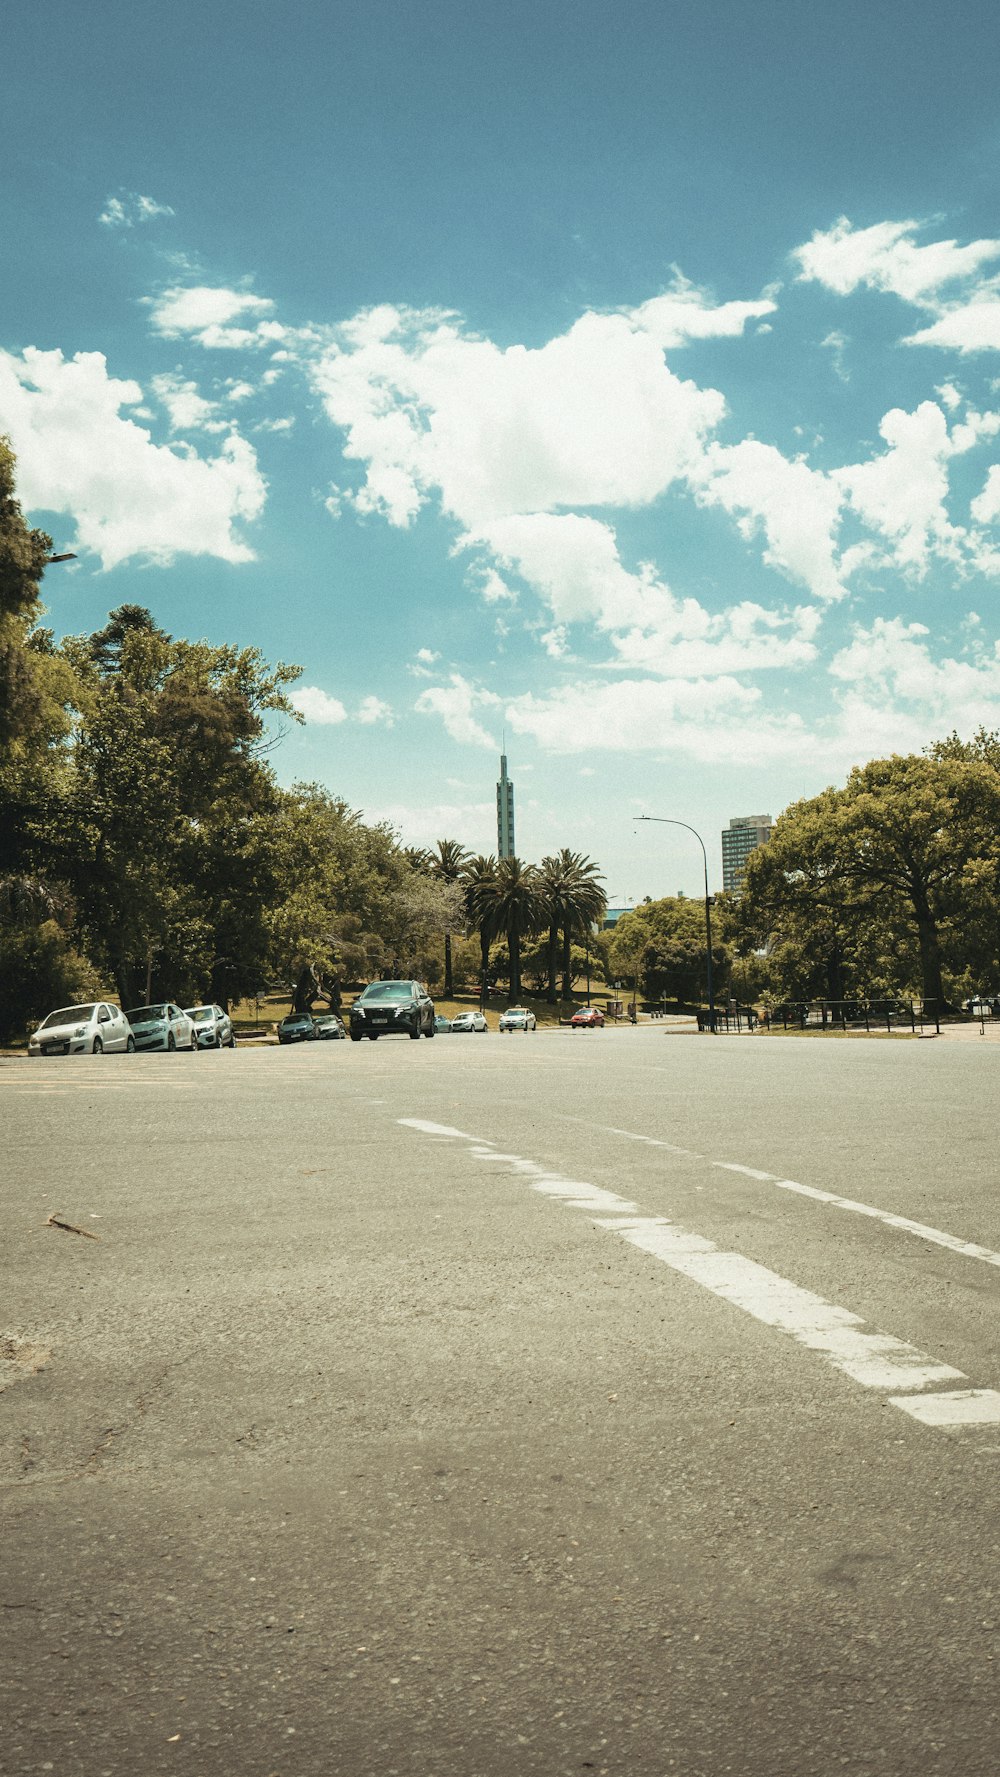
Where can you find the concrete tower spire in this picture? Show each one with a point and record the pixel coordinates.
(505, 810)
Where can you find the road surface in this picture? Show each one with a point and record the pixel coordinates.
(605, 1402)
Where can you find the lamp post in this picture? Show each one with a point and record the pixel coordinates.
(667, 821)
(51, 558)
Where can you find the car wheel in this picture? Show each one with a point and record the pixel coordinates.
(130, 1046)
(218, 1040)
(431, 1032)
(373, 1036)
(232, 1041)
(171, 1044)
(355, 1036)
(415, 1035)
(98, 1048)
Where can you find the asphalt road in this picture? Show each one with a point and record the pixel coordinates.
(456, 1409)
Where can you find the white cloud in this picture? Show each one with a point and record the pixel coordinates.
(215, 317)
(986, 505)
(373, 709)
(131, 207)
(897, 688)
(455, 703)
(684, 314)
(713, 720)
(970, 327)
(316, 706)
(902, 493)
(187, 410)
(886, 257)
(594, 417)
(796, 507)
(78, 454)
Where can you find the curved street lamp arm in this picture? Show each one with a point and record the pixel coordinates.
(668, 821)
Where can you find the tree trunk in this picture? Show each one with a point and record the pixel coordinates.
(125, 983)
(567, 964)
(514, 947)
(449, 985)
(930, 953)
(553, 960)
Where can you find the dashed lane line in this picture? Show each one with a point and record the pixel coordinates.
(873, 1359)
(967, 1249)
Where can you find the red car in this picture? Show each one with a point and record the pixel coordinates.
(588, 1018)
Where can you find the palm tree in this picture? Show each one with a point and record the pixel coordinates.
(556, 878)
(448, 867)
(515, 900)
(582, 903)
(478, 879)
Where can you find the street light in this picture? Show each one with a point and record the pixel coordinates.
(667, 821)
(52, 558)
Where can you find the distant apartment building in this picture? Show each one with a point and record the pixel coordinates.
(505, 813)
(743, 835)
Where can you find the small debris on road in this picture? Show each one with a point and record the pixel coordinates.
(55, 1221)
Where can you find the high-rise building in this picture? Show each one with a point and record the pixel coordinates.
(743, 835)
(505, 812)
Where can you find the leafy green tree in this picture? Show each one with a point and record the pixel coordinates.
(514, 903)
(479, 876)
(448, 866)
(897, 859)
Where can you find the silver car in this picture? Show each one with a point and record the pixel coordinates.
(469, 1021)
(517, 1018)
(212, 1026)
(163, 1026)
(83, 1030)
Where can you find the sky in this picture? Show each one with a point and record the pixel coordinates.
(621, 384)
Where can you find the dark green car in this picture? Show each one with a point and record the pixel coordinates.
(388, 1008)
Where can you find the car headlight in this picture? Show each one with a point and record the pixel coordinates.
(80, 1031)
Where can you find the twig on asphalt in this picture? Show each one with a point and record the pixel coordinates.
(55, 1221)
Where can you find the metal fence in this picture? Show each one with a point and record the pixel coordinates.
(831, 1015)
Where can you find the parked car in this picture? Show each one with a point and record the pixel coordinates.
(469, 1021)
(329, 1026)
(298, 1027)
(386, 1007)
(212, 1026)
(163, 1026)
(441, 1023)
(82, 1030)
(517, 1018)
(587, 1018)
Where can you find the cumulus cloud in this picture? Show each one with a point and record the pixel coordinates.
(594, 417)
(902, 493)
(187, 410)
(317, 706)
(796, 508)
(226, 319)
(130, 207)
(969, 327)
(373, 709)
(895, 688)
(455, 703)
(130, 498)
(887, 257)
(713, 720)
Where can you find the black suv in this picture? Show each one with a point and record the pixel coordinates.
(388, 1006)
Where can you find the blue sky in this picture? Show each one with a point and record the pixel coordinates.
(624, 379)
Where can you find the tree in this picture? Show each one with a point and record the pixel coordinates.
(478, 889)
(448, 866)
(514, 903)
(577, 904)
(893, 863)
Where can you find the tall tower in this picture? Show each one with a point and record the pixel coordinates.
(505, 812)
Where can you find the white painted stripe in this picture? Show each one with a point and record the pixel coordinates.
(936, 1236)
(649, 1141)
(876, 1360)
(872, 1359)
(966, 1406)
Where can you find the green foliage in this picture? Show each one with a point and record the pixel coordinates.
(661, 948)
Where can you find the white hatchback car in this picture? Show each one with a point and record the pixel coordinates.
(163, 1026)
(83, 1030)
(517, 1018)
(469, 1021)
(213, 1027)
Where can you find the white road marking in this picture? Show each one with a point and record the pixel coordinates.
(872, 1359)
(965, 1406)
(936, 1236)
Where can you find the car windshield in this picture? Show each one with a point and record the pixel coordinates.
(146, 1014)
(69, 1015)
(201, 1014)
(389, 990)
(297, 1018)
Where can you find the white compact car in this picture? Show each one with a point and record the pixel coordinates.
(469, 1021)
(517, 1018)
(213, 1027)
(83, 1030)
(163, 1026)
